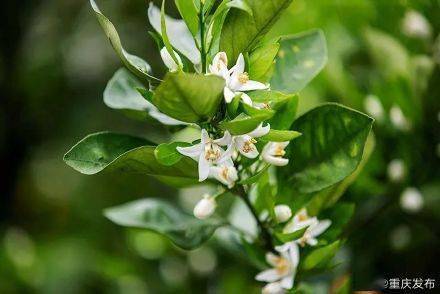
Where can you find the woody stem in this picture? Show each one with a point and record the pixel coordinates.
(265, 234)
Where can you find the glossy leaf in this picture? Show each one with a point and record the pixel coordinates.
(330, 148)
(280, 136)
(243, 124)
(167, 153)
(136, 65)
(340, 215)
(159, 216)
(319, 257)
(242, 31)
(300, 58)
(188, 11)
(115, 152)
(163, 32)
(121, 94)
(189, 97)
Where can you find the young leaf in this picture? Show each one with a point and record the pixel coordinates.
(320, 256)
(242, 31)
(136, 65)
(300, 58)
(261, 61)
(243, 124)
(189, 97)
(285, 114)
(121, 94)
(159, 216)
(280, 136)
(167, 153)
(115, 152)
(255, 177)
(188, 11)
(179, 35)
(330, 148)
(284, 238)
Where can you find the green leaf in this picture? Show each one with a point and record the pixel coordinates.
(329, 196)
(252, 111)
(242, 31)
(115, 152)
(121, 94)
(261, 61)
(159, 216)
(284, 238)
(189, 97)
(340, 215)
(265, 196)
(167, 153)
(330, 148)
(300, 58)
(136, 65)
(243, 123)
(240, 4)
(319, 257)
(280, 136)
(163, 30)
(389, 55)
(188, 11)
(255, 177)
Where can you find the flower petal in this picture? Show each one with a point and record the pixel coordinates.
(203, 168)
(320, 228)
(204, 137)
(251, 85)
(225, 140)
(228, 94)
(270, 275)
(260, 131)
(165, 119)
(277, 161)
(191, 151)
(246, 99)
(287, 282)
(238, 68)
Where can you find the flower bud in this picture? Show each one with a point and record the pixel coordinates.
(282, 213)
(205, 207)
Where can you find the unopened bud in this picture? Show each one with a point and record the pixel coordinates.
(282, 213)
(205, 207)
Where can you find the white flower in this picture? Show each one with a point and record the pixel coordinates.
(282, 275)
(411, 200)
(225, 173)
(245, 144)
(208, 152)
(396, 170)
(169, 61)
(398, 119)
(273, 288)
(414, 24)
(205, 207)
(237, 80)
(314, 227)
(282, 213)
(373, 107)
(273, 153)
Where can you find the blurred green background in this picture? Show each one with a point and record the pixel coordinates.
(54, 65)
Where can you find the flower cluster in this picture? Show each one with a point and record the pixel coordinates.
(282, 275)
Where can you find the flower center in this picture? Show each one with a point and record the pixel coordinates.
(302, 217)
(211, 153)
(279, 151)
(225, 173)
(282, 266)
(243, 78)
(249, 145)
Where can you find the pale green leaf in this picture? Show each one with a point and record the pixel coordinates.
(254, 178)
(188, 11)
(167, 153)
(300, 58)
(159, 216)
(319, 257)
(280, 136)
(243, 123)
(261, 61)
(136, 65)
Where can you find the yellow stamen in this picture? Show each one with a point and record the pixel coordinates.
(249, 145)
(243, 78)
(282, 266)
